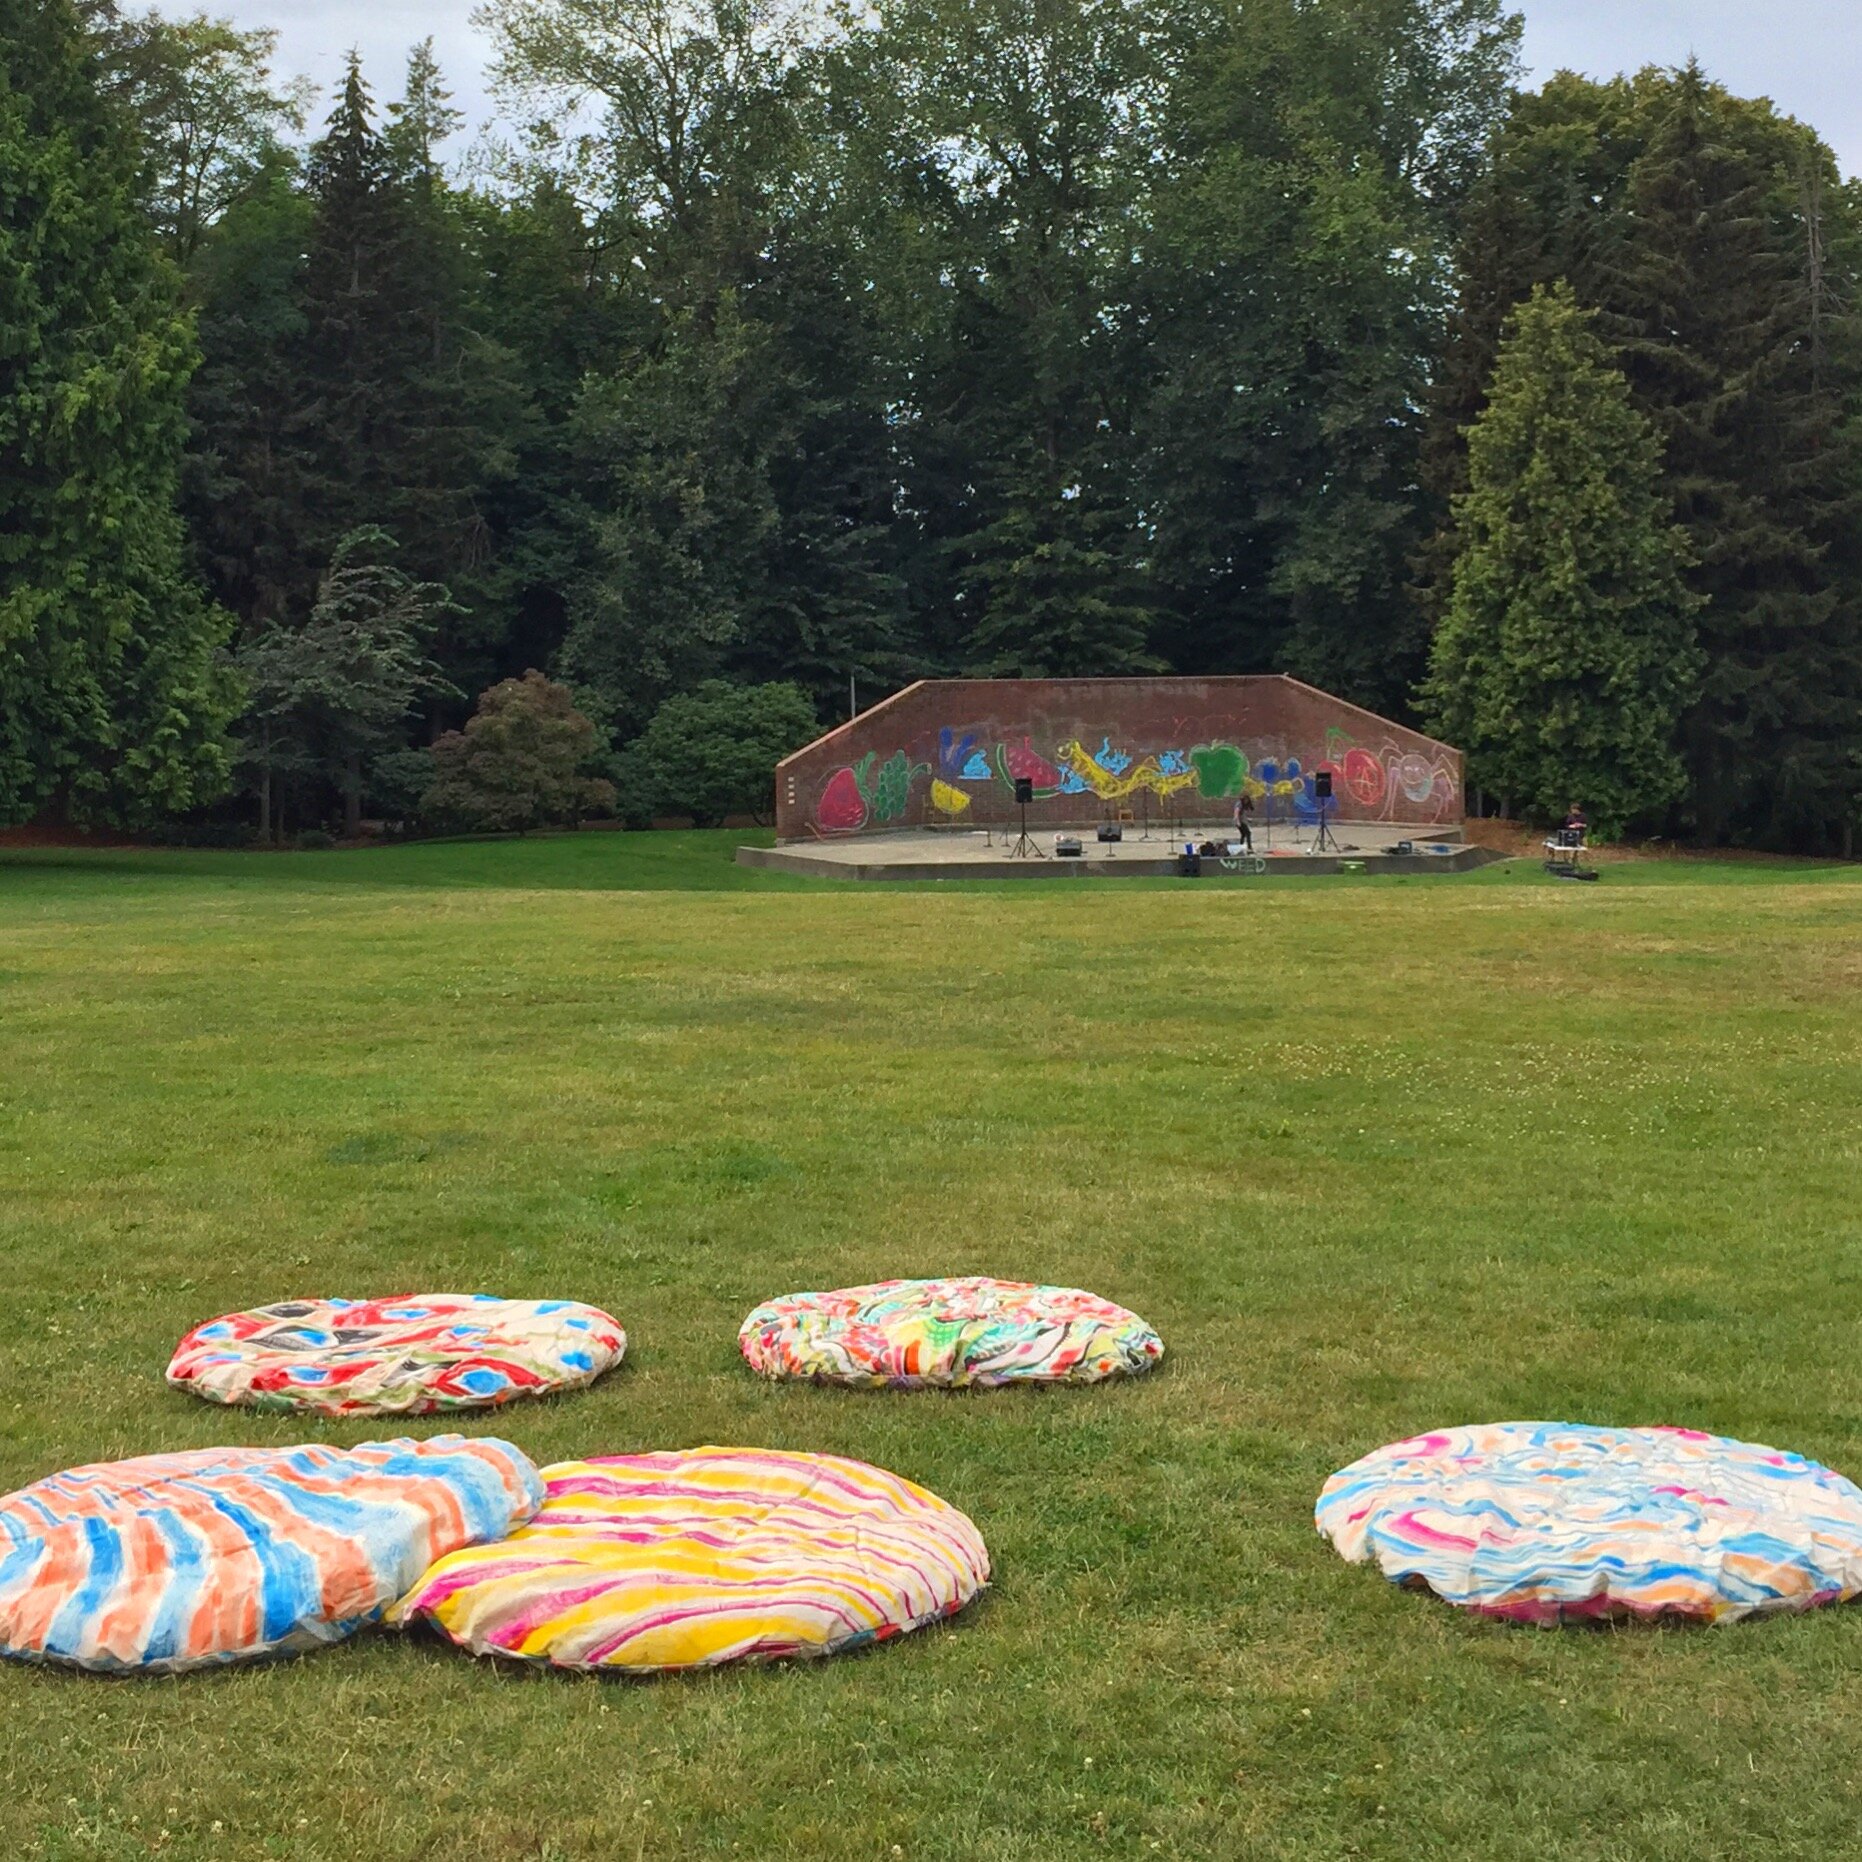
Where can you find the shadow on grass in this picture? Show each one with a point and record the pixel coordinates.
(689, 861)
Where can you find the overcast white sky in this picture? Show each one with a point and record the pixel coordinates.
(1806, 55)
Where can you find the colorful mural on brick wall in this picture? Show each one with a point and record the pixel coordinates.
(868, 794)
(1367, 781)
(949, 754)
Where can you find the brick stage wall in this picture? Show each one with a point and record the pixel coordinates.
(944, 753)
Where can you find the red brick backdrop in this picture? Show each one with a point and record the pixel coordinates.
(946, 752)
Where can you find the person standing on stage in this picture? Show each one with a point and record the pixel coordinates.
(1244, 807)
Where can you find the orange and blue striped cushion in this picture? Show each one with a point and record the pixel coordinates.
(219, 1555)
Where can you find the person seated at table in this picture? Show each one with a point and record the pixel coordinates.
(1576, 824)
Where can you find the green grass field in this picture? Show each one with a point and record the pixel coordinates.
(1373, 1155)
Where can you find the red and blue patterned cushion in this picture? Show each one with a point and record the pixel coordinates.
(407, 1356)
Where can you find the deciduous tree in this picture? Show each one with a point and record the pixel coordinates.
(526, 759)
(211, 114)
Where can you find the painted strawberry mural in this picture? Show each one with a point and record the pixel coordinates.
(863, 794)
(842, 808)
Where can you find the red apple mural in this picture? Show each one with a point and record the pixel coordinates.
(1364, 778)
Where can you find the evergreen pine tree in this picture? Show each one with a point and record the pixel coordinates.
(112, 695)
(336, 689)
(1714, 304)
(407, 408)
(1045, 588)
(1725, 261)
(555, 311)
(362, 342)
(245, 487)
(828, 602)
(675, 452)
(1565, 659)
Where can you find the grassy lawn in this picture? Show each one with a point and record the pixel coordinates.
(1373, 1155)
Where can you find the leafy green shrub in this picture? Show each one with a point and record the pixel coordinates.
(713, 751)
(315, 840)
(635, 803)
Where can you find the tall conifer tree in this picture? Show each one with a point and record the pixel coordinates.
(112, 696)
(1714, 302)
(407, 408)
(245, 488)
(1565, 659)
(362, 342)
(1725, 260)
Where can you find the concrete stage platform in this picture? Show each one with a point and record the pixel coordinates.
(947, 853)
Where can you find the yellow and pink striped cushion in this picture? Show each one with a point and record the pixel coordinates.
(638, 1563)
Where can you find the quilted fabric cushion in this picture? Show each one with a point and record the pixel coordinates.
(397, 1357)
(910, 1333)
(638, 1563)
(1544, 1522)
(226, 1554)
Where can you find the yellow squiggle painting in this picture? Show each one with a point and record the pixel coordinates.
(1148, 774)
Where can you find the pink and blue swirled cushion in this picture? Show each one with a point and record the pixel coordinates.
(1541, 1522)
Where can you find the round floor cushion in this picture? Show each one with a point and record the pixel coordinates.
(640, 1563)
(397, 1357)
(907, 1334)
(227, 1554)
(1545, 1522)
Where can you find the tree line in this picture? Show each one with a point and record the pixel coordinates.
(767, 356)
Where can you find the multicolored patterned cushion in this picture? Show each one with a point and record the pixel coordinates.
(227, 1554)
(906, 1334)
(397, 1357)
(638, 1563)
(1544, 1522)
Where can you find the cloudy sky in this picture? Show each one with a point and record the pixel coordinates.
(1806, 55)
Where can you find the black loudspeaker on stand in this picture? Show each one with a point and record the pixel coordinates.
(1024, 848)
(1322, 794)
